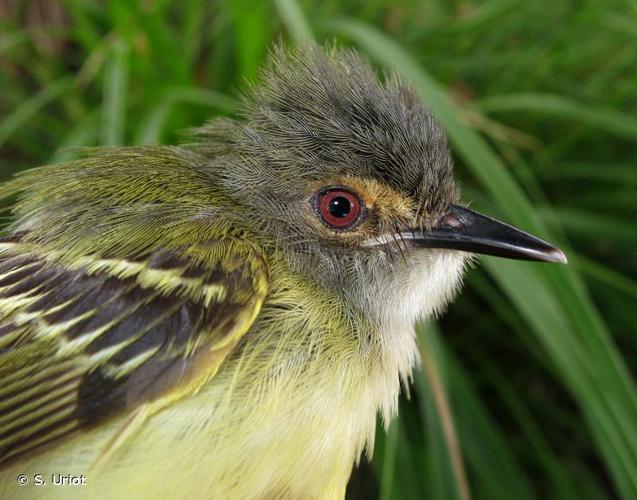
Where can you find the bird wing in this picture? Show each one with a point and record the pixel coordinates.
(83, 342)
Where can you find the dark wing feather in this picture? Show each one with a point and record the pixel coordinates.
(81, 342)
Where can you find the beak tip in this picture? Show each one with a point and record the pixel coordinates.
(557, 256)
(477, 233)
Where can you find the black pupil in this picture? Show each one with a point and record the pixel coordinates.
(340, 206)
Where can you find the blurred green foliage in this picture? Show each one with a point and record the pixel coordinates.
(527, 388)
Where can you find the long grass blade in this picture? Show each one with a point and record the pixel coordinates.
(294, 20)
(114, 102)
(485, 447)
(433, 379)
(614, 122)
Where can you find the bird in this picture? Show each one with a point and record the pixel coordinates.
(229, 317)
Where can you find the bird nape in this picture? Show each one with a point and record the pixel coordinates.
(228, 317)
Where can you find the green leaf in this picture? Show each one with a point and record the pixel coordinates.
(115, 92)
(294, 20)
(614, 122)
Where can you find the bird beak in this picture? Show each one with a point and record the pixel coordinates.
(464, 229)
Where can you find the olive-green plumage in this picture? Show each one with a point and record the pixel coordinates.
(225, 319)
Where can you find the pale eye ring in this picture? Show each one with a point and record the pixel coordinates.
(339, 208)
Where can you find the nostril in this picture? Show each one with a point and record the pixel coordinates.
(451, 221)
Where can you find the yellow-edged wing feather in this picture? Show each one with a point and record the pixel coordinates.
(84, 341)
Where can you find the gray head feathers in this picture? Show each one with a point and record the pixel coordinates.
(324, 112)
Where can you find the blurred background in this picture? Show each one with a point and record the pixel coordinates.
(527, 387)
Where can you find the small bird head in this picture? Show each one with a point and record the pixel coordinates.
(351, 178)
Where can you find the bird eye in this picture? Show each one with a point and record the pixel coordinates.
(338, 208)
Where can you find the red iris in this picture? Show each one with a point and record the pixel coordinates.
(339, 208)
